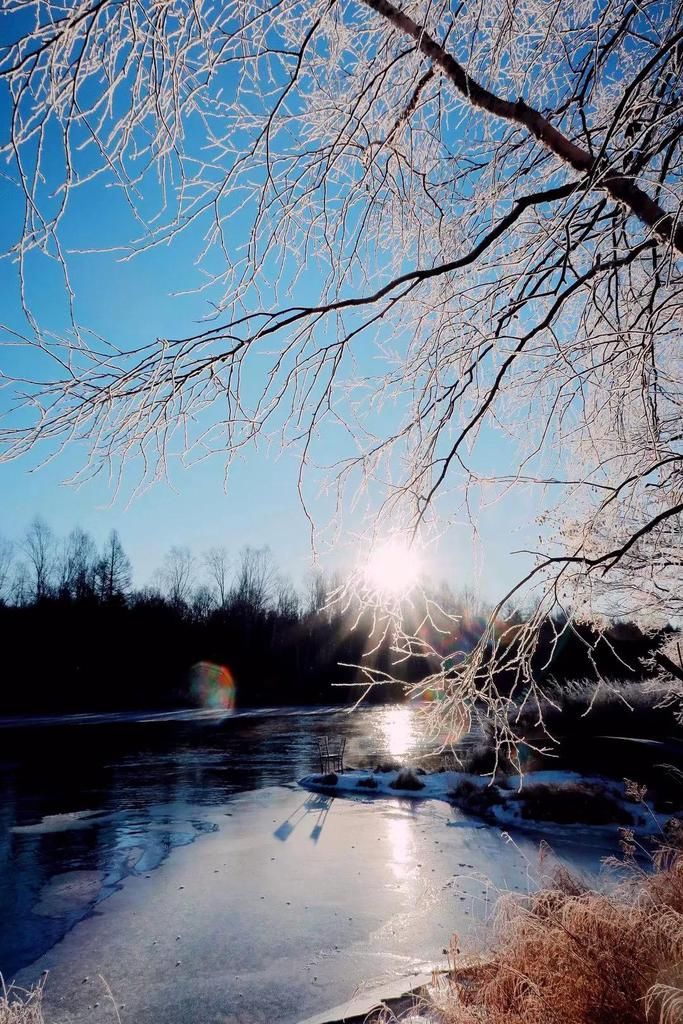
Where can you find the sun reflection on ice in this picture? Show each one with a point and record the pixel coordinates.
(399, 735)
(399, 834)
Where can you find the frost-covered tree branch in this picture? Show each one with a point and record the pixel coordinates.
(417, 226)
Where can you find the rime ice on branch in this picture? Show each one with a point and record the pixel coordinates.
(459, 217)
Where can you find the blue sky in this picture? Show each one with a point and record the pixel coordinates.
(260, 506)
(130, 303)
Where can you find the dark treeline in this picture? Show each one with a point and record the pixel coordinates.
(76, 635)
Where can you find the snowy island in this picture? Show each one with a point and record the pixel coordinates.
(537, 800)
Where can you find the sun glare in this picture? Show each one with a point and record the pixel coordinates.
(399, 735)
(393, 568)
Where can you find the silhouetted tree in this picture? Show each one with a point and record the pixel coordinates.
(317, 592)
(6, 563)
(113, 572)
(255, 579)
(21, 593)
(177, 575)
(217, 566)
(203, 602)
(39, 548)
(78, 565)
(287, 604)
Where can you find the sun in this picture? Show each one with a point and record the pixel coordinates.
(393, 568)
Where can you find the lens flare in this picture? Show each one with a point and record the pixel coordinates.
(212, 685)
(431, 695)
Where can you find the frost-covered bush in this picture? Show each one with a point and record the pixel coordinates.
(570, 803)
(21, 1006)
(475, 799)
(407, 779)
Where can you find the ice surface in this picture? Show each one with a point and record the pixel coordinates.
(68, 893)
(263, 923)
(65, 822)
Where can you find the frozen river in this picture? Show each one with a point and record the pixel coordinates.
(178, 860)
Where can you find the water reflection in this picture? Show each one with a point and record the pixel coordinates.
(398, 725)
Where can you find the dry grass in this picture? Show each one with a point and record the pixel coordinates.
(21, 1006)
(569, 955)
(25, 1006)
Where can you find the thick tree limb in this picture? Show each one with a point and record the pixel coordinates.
(668, 665)
(619, 187)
